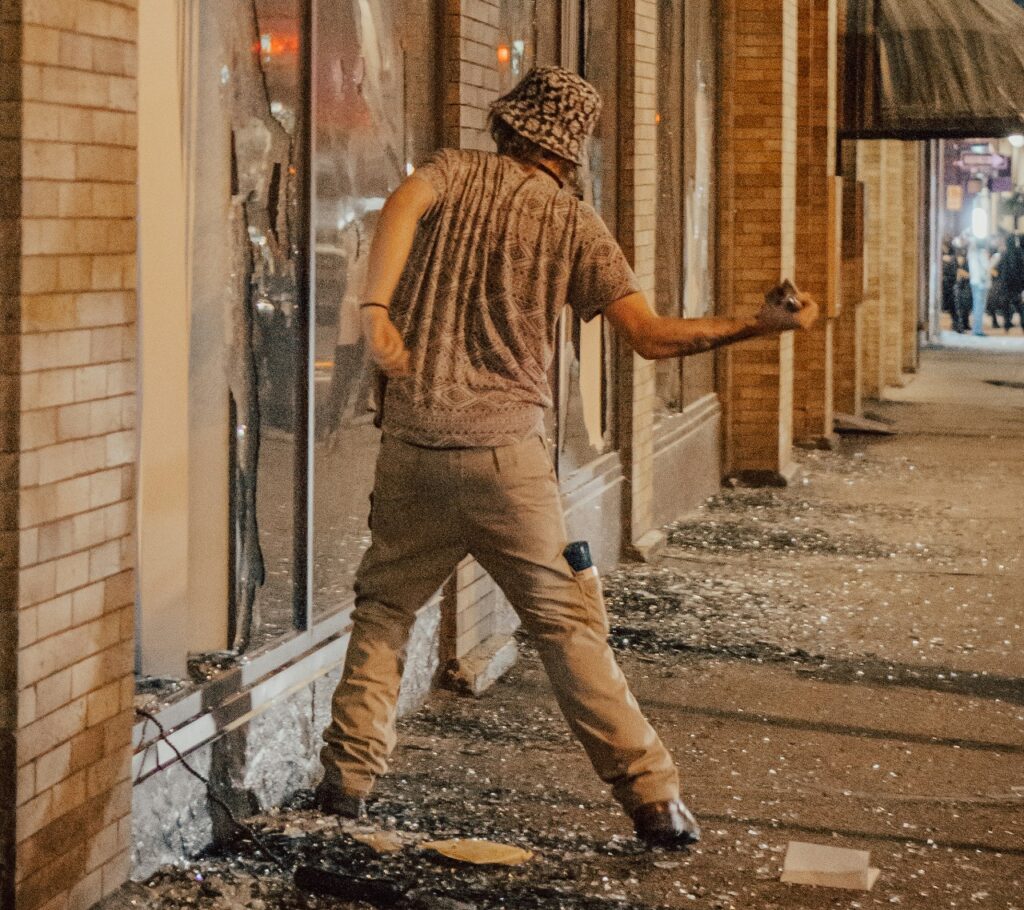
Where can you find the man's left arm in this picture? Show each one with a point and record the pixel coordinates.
(656, 337)
(389, 252)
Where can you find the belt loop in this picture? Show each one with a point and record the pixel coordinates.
(497, 459)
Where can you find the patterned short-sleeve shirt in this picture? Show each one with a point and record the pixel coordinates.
(499, 254)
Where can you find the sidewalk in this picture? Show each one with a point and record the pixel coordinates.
(838, 662)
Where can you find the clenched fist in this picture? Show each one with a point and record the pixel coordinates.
(785, 309)
(387, 349)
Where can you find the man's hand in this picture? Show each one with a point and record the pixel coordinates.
(786, 309)
(387, 349)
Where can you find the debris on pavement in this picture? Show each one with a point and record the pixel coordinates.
(836, 659)
(828, 867)
(479, 852)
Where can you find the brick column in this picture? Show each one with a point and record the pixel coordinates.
(894, 240)
(849, 327)
(638, 178)
(471, 77)
(912, 289)
(756, 226)
(10, 408)
(76, 592)
(869, 161)
(817, 218)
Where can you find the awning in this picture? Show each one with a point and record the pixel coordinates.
(920, 69)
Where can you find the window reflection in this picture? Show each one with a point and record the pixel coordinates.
(375, 119)
(586, 392)
(685, 148)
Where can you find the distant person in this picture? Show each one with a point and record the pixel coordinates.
(948, 277)
(962, 300)
(1005, 297)
(979, 268)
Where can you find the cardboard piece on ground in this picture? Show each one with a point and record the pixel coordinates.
(479, 852)
(829, 867)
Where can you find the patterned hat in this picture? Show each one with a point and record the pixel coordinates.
(554, 108)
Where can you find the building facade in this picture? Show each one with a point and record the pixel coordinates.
(186, 438)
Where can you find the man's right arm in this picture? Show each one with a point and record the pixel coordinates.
(656, 337)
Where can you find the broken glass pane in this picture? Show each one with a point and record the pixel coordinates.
(247, 230)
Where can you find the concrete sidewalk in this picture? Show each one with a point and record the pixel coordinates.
(838, 662)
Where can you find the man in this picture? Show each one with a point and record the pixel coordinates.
(474, 257)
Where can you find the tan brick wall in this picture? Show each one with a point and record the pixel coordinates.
(815, 218)
(470, 74)
(892, 264)
(77, 448)
(756, 221)
(10, 394)
(869, 161)
(848, 347)
(637, 223)
(892, 236)
(912, 289)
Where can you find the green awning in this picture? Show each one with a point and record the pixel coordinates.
(921, 69)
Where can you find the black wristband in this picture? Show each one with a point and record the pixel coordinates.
(383, 306)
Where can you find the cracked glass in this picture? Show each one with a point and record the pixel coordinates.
(246, 326)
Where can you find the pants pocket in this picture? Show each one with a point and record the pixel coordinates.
(589, 583)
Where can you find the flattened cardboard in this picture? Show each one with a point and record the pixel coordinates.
(828, 867)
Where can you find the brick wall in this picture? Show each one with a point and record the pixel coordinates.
(911, 252)
(756, 221)
(892, 264)
(10, 395)
(849, 329)
(869, 161)
(77, 445)
(815, 218)
(470, 75)
(637, 220)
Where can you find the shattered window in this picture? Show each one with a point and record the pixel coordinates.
(375, 119)
(246, 327)
(586, 382)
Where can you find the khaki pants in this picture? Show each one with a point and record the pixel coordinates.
(432, 507)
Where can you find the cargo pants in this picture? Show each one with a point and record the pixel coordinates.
(432, 507)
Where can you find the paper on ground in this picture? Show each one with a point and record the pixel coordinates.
(479, 852)
(830, 867)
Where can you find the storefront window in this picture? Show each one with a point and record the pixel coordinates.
(685, 157)
(375, 119)
(527, 37)
(586, 380)
(246, 328)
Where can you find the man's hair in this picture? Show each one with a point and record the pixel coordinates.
(516, 145)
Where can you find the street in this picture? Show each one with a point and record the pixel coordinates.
(837, 662)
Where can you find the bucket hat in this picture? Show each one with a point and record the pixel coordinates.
(554, 108)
